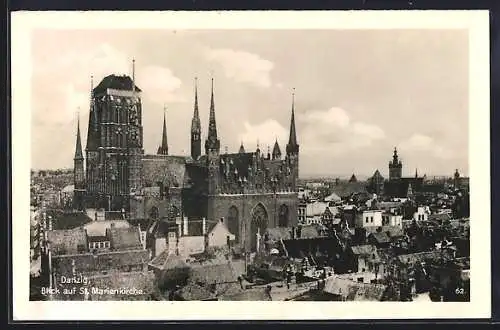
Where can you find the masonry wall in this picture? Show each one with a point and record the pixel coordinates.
(219, 207)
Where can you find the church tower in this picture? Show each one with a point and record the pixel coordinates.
(212, 149)
(196, 126)
(115, 142)
(292, 148)
(78, 172)
(163, 148)
(395, 167)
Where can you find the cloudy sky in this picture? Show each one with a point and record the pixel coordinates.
(359, 93)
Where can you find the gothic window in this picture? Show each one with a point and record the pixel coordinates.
(233, 221)
(283, 216)
(259, 224)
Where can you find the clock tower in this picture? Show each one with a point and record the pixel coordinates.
(114, 143)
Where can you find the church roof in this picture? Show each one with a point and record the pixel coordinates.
(353, 179)
(115, 82)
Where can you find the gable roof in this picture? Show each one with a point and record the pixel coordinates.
(167, 260)
(354, 291)
(381, 237)
(213, 274)
(98, 228)
(69, 241)
(124, 238)
(193, 291)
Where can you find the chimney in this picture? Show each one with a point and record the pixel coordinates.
(204, 226)
(185, 226)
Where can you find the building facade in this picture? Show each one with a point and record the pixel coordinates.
(252, 190)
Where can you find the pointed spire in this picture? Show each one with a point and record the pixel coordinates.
(133, 75)
(78, 147)
(212, 141)
(276, 150)
(163, 149)
(195, 122)
(292, 146)
(242, 148)
(416, 173)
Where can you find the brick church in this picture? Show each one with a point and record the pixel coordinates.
(251, 190)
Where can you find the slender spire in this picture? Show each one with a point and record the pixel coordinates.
(212, 126)
(242, 148)
(163, 149)
(78, 147)
(416, 173)
(276, 150)
(212, 140)
(292, 146)
(133, 75)
(195, 122)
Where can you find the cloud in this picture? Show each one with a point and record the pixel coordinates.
(333, 132)
(242, 66)
(265, 133)
(160, 84)
(424, 143)
(63, 80)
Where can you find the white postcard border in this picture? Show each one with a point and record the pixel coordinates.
(23, 23)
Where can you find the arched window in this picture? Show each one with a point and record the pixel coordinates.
(258, 225)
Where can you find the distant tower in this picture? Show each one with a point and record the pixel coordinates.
(456, 179)
(292, 148)
(163, 148)
(395, 167)
(242, 148)
(212, 148)
(196, 126)
(416, 174)
(78, 172)
(276, 150)
(353, 179)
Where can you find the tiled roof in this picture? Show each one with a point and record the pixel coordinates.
(257, 294)
(169, 170)
(98, 228)
(67, 220)
(167, 260)
(418, 257)
(346, 189)
(70, 241)
(213, 274)
(124, 238)
(381, 237)
(123, 281)
(115, 82)
(193, 291)
(106, 261)
(354, 291)
(366, 249)
(391, 231)
(439, 217)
